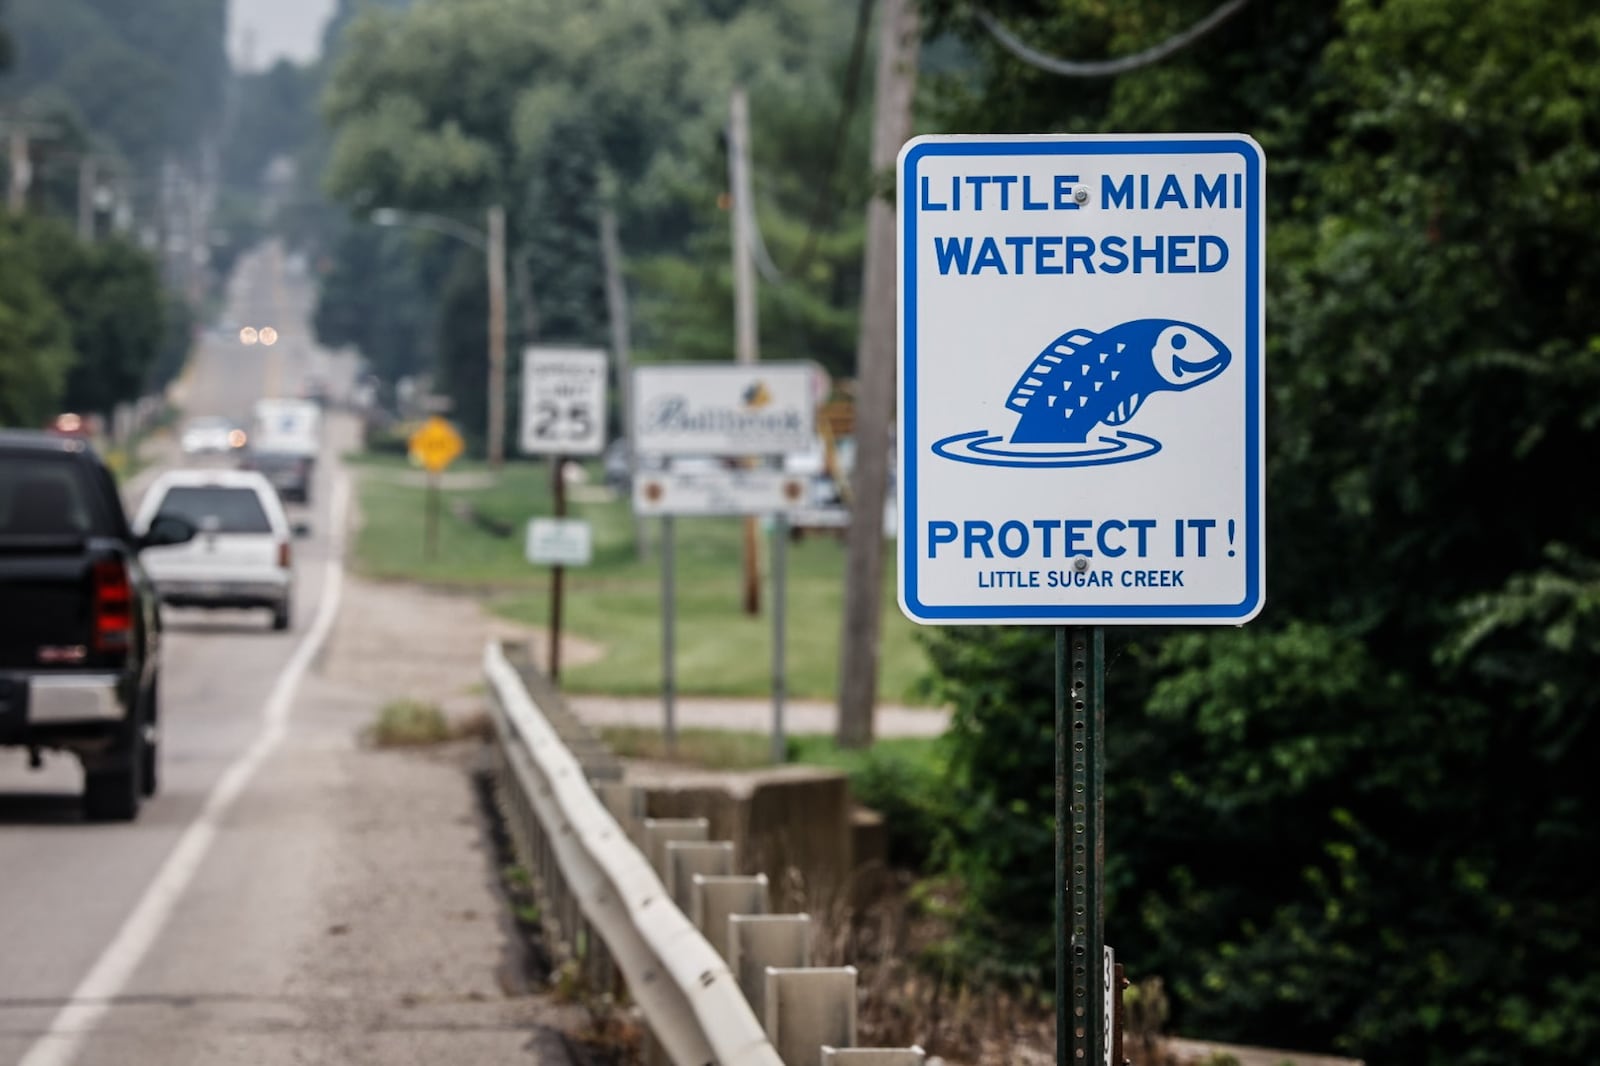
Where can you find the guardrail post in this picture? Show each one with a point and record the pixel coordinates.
(686, 858)
(807, 1009)
(713, 900)
(657, 831)
(626, 804)
(873, 1056)
(759, 941)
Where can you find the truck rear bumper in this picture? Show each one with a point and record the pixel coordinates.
(81, 698)
(183, 593)
(50, 707)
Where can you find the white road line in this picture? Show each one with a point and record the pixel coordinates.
(110, 974)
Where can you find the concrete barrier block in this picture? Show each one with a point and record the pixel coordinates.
(808, 1009)
(873, 1056)
(790, 822)
(658, 831)
(759, 941)
(713, 900)
(685, 858)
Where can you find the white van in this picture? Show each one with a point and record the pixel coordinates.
(241, 556)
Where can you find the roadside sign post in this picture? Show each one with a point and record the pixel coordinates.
(434, 446)
(563, 414)
(780, 679)
(669, 679)
(1081, 433)
(706, 410)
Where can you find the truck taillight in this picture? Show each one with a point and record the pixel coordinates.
(113, 606)
(283, 554)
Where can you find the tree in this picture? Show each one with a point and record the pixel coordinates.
(109, 295)
(1397, 750)
(35, 350)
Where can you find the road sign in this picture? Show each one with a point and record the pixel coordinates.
(563, 401)
(435, 445)
(725, 409)
(559, 542)
(718, 492)
(1081, 333)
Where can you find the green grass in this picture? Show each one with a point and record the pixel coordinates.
(407, 723)
(616, 602)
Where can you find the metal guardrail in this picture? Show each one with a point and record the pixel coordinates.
(621, 914)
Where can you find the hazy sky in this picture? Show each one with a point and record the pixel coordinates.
(260, 32)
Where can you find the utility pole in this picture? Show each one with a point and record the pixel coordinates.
(744, 298)
(899, 40)
(86, 178)
(21, 170)
(496, 253)
(621, 348)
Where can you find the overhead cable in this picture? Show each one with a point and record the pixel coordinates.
(1105, 68)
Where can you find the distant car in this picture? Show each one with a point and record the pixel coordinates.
(80, 633)
(288, 472)
(210, 435)
(241, 556)
(618, 469)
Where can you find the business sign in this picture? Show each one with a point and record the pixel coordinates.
(1081, 333)
(725, 409)
(718, 492)
(559, 542)
(563, 401)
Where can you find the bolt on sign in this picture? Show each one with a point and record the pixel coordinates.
(1081, 376)
(435, 445)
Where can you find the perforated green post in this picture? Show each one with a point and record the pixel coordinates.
(1081, 1036)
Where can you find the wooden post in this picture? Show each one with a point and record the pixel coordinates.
(622, 352)
(744, 301)
(496, 266)
(558, 480)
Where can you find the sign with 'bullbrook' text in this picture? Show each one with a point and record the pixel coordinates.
(1081, 376)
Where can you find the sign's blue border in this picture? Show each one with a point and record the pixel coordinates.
(1255, 253)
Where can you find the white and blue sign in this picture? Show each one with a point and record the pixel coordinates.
(1081, 375)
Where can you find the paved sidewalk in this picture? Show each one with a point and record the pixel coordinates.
(752, 715)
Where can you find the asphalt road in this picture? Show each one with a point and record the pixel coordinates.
(65, 887)
(200, 934)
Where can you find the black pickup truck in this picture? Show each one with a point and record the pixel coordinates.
(79, 624)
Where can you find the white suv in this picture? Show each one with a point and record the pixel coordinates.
(239, 558)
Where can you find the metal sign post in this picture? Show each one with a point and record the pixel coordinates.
(558, 482)
(430, 519)
(732, 413)
(1081, 986)
(434, 446)
(669, 680)
(780, 566)
(563, 414)
(1081, 435)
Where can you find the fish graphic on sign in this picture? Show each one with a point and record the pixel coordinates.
(1076, 396)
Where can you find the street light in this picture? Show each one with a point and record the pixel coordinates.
(492, 244)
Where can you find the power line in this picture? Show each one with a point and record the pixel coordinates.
(1105, 68)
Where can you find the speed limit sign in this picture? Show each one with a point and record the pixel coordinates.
(563, 401)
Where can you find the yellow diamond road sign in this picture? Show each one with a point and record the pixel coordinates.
(435, 445)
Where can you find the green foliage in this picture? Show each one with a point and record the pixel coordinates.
(1388, 773)
(148, 76)
(111, 297)
(93, 315)
(35, 344)
(550, 123)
